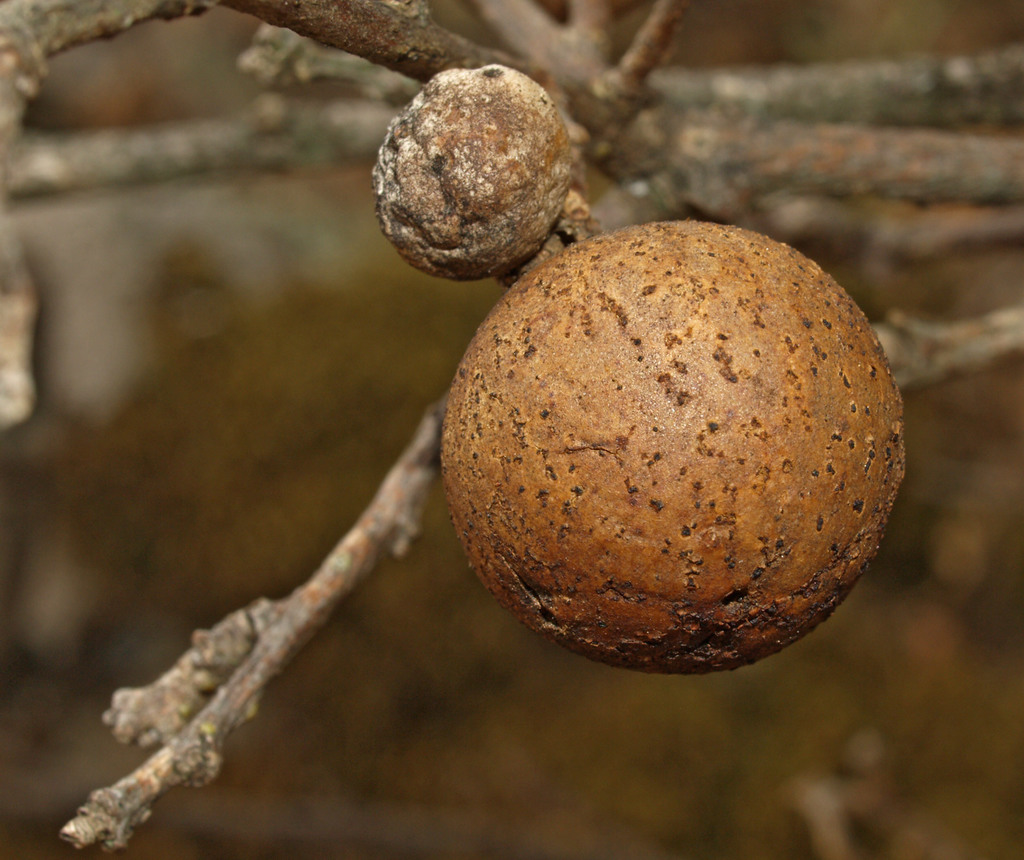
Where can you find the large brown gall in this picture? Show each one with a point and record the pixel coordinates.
(673, 448)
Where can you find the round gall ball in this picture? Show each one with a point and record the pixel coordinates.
(673, 448)
(473, 173)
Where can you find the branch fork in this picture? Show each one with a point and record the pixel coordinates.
(240, 655)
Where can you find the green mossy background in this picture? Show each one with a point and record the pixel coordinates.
(262, 421)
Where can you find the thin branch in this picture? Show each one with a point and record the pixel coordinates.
(150, 715)
(981, 89)
(725, 166)
(651, 43)
(709, 163)
(923, 353)
(590, 16)
(193, 755)
(397, 34)
(611, 101)
(881, 240)
(31, 31)
(18, 308)
(569, 54)
(36, 29)
(274, 134)
(280, 57)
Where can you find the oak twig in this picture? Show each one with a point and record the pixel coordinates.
(397, 35)
(591, 17)
(651, 43)
(614, 98)
(273, 134)
(277, 631)
(880, 240)
(31, 31)
(567, 53)
(724, 166)
(923, 352)
(280, 57)
(155, 714)
(950, 92)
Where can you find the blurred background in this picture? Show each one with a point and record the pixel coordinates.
(228, 367)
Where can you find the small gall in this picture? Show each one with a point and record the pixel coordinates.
(473, 173)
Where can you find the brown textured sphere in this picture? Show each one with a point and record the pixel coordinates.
(473, 173)
(673, 448)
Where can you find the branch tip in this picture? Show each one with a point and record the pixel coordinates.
(242, 653)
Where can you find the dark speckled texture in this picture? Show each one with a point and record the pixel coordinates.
(673, 448)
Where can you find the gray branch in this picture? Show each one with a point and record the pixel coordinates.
(397, 34)
(31, 31)
(275, 134)
(924, 352)
(280, 57)
(984, 89)
(276, 632)
(724, 166)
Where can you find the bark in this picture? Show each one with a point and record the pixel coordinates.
(723, 166)
(249, 649)
(275, 134)
(984, 89)
(397, 34)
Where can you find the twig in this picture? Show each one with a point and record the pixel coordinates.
(274, 134)
(36, 29)
(923, 353)
(568, 53)
(724, 165)
(880, 239)
(398, 35)
(983, 89)
(710, 163)
(590, 16)
(17, 324)
(155, 714)
(31, 31)
(612, 100)
(280, 57)
(192, 756)
(651, 43)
